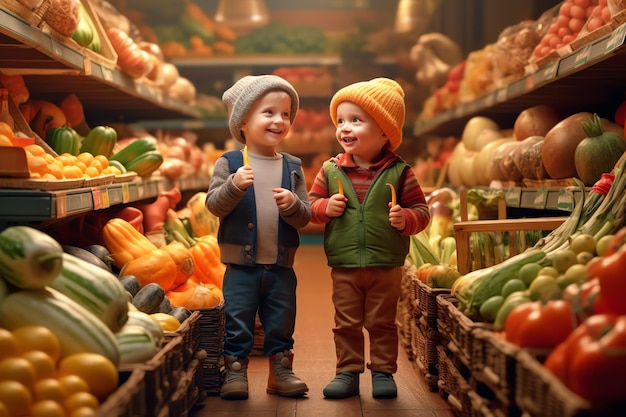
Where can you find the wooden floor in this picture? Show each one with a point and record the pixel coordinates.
(314, 363)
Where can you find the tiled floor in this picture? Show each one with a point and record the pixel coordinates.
(315, 361)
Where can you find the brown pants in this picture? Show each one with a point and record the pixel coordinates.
(366, 298)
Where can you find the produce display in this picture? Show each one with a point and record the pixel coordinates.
(90, 309)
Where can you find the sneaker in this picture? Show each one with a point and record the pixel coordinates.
(282, 380)
(383, 385)
(235, 385)
(344, 385)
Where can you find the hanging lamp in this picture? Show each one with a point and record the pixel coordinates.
(414, 16)
(242, 14)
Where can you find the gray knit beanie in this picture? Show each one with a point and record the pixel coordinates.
(242, 95)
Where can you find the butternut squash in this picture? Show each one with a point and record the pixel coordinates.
(124, 242)
(182, 258)
(156, 266)
(209, 269)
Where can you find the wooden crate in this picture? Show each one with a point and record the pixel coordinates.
(129, 400)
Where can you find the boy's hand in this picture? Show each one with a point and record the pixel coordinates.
(244, 177)
(284, 198)
(396, 217)
(336, 205)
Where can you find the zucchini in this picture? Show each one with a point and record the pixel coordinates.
(102, 253)
(98, 291)
(149, 298)
(77, 329)
(135, 344)
(133, 150)
(29, 258)
(130, 284)
(85, 255)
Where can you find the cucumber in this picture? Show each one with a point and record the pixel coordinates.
(95, 289)
(29, 258)
(77, 329)
(133, 150)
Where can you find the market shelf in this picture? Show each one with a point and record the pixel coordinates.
(589, 77)
(52, 67)
(27, 205)
(269, 60)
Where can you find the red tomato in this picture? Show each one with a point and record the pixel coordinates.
(612, 283)
(540, 326)
(592, 360)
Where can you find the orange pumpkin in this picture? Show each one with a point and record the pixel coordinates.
(209, 269)
(156, 266)
(197, 296)
(183, 260)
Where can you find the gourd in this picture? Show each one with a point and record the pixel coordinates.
(183, 259)
(197, 296)
(77, 329)
(99, 141)
(63, 140)
(149, 298)
(136, 344)
(156, 266)
(139, 318)
(29, 258)
(206, 257)
(201, 220)
(124, 242)
(598, 152)
(95, 289)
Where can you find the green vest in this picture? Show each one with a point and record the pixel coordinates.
(362, 235)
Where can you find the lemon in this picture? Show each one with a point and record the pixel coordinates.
(583, 243)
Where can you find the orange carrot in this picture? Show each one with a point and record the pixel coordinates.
(393, 194)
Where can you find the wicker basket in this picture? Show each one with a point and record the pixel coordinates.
(160, 373)
(129, 400)
(212, 341)
(188, 392)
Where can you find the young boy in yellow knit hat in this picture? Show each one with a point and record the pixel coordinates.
(367, 230)
(260, 197)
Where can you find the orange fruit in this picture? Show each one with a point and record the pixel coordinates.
(72, 172)
(83, 412)
(85, 157)
(38, 338)
(48, 389)
(18, 369)
(97, 164)
(104, 161)
(6, 130)
(43, 364)
(66, 158)
(16, 398)
(91, 172)
(35, 150)
(8, 344)
(80, 399)
(98, 371)
(71, 384)
(47, 408)
(56, 170)
(37, 164)
(5, 141)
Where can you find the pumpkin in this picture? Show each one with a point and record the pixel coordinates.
(197, 296)
(598, 152)
(183, 260)
(124, 242)
(156, 266)
(209, 269)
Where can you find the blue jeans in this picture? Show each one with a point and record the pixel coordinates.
(271, 290)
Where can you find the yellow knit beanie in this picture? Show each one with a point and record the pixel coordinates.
(381, 98)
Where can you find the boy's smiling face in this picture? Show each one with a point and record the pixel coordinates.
(267, 122)
(358, 133)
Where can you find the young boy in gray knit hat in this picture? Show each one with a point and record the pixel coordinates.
(261, 199)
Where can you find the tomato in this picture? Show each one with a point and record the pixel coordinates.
(586, 298)
(610, 275)
(540, 326)
(592, 360)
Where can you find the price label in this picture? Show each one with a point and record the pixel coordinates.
(61, 204)
(541, 197)
(96, 197)
(549, 71)
(513, 196)
(104, 198)
(87, 66)
(125, 192)
(617, 38)
(530, 82)
(565, 200)
(582, 57)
